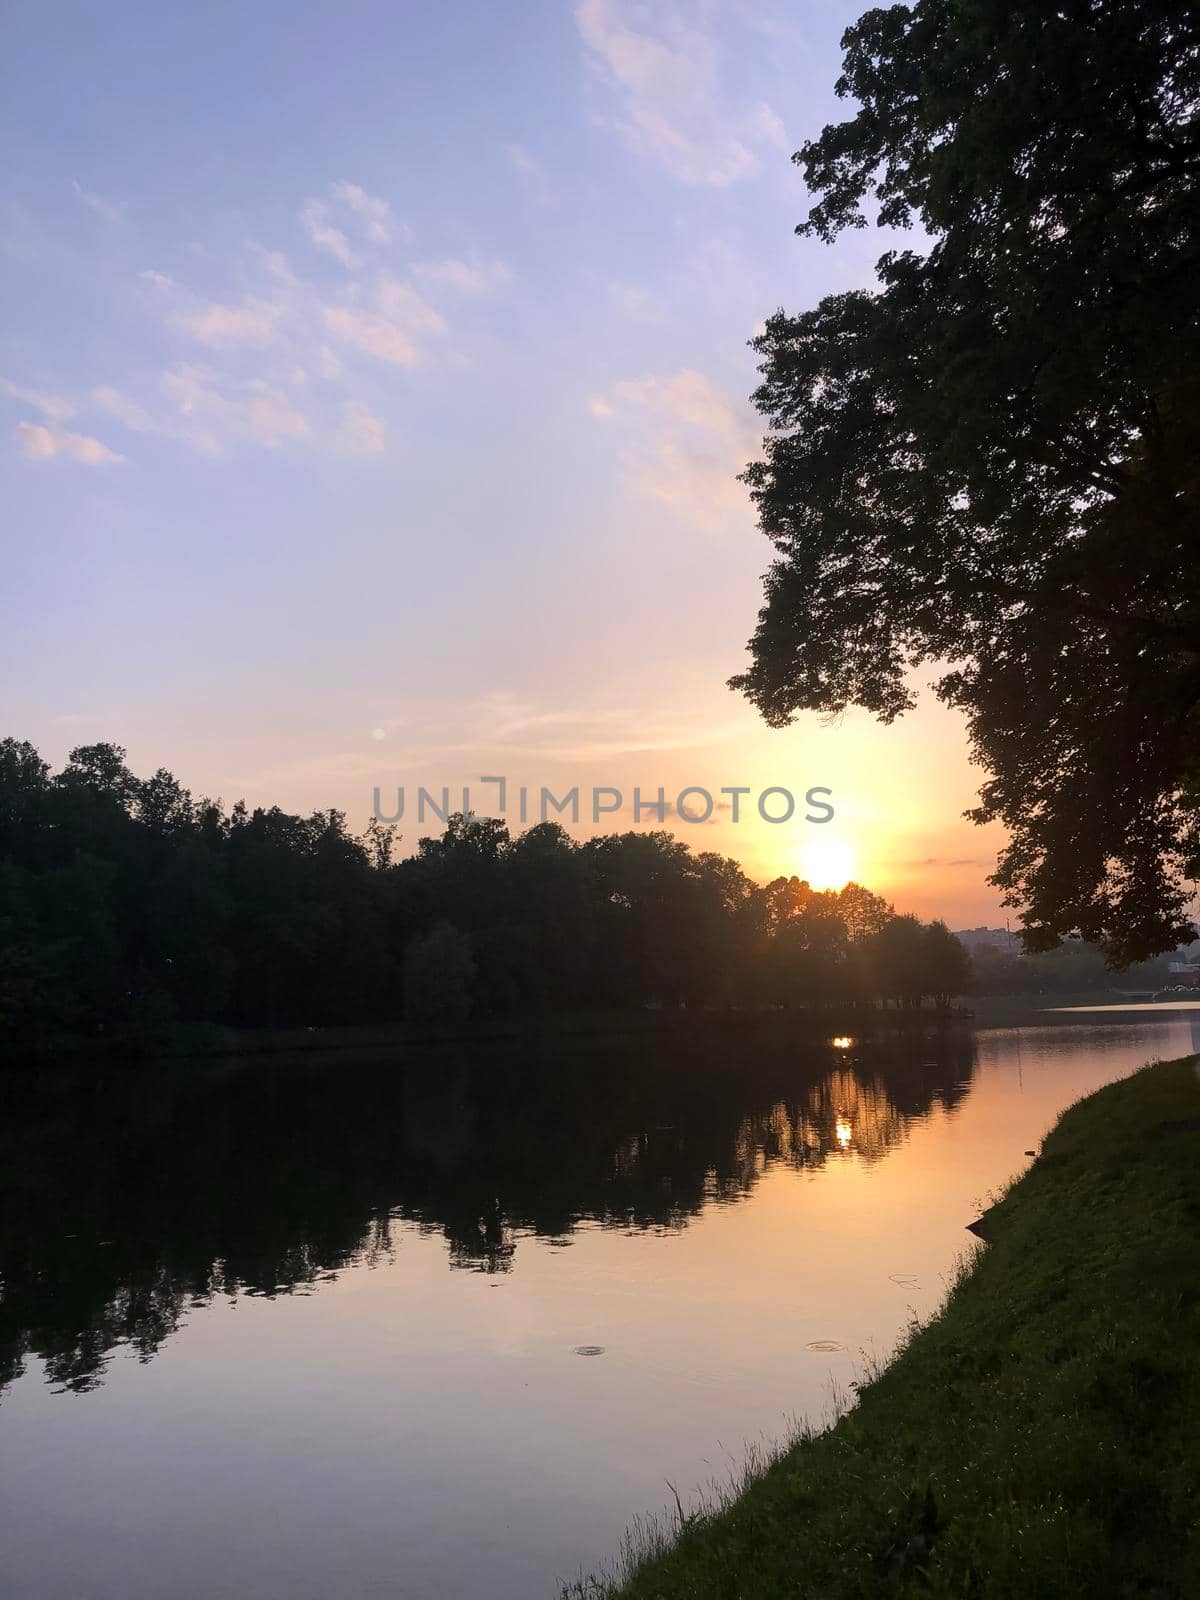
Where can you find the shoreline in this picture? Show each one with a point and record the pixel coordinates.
(197, 1042)
(1031, 1437)
(193, 1042)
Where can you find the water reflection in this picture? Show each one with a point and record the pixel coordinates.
(130, 1198)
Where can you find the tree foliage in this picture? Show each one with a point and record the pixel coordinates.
(991, 463)
(439, 972)
(126, 905)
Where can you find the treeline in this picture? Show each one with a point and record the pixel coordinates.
(1075, 967)
(127, 905)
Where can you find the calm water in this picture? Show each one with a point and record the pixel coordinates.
(332, 1331)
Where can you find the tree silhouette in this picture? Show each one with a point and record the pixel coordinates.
(992, 462)
(128, 907)
(947, 966)
(439, 973)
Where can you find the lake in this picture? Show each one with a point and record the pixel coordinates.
(341, 1329)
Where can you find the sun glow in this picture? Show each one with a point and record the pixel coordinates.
(827, 863)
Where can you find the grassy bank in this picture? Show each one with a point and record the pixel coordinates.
(1041, 1437)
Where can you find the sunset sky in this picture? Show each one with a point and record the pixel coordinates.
(373, 388)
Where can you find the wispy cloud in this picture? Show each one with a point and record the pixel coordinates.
(283, 358)
(253, 322)
(944, 861)
(687, 396)
(502, 721)
(349, 207)
(44, 444)
(51, 406)
(126, 411)
(691, 440)
(633, 300)
(45, 441)
(361, 432)
(374, 214)
(108, 209)
(315, 217)
(386, 323)
(664, 74)
(211, 414)
(471, 277)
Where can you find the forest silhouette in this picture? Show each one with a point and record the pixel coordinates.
(127, 907)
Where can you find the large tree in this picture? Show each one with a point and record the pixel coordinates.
(991, 462)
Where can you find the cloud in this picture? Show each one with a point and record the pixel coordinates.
(632, 299)
(766, 126)
(44, 444)
(943, 861)
(388, 326)
(52, 407)
(210, 416)
(651, 818)
(125, 410)
(208, 413)
(372, 334)
(361, 433)
(502, 721)
(314, 338)
(331, 368)
(325, 236)
(97, 203)
(687, 396)
(472, 277)
(213, 322)
(365, 213)
(690, 442)
(216, 324)
(664, 76)
(375, 215)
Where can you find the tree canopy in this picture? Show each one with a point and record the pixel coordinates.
(127, 905)
(991, 462)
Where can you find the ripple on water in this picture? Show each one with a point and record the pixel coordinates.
(589, 1349)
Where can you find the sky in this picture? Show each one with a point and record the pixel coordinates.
(372, 393)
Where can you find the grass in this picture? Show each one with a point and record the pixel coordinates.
(1038, 1440)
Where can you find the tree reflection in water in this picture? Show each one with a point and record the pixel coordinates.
(127, 1198)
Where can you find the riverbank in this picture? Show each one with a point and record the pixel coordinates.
(1034, 1438)
(1021, 1010)
(205, 1041)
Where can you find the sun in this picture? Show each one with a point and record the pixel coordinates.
(826, 863)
